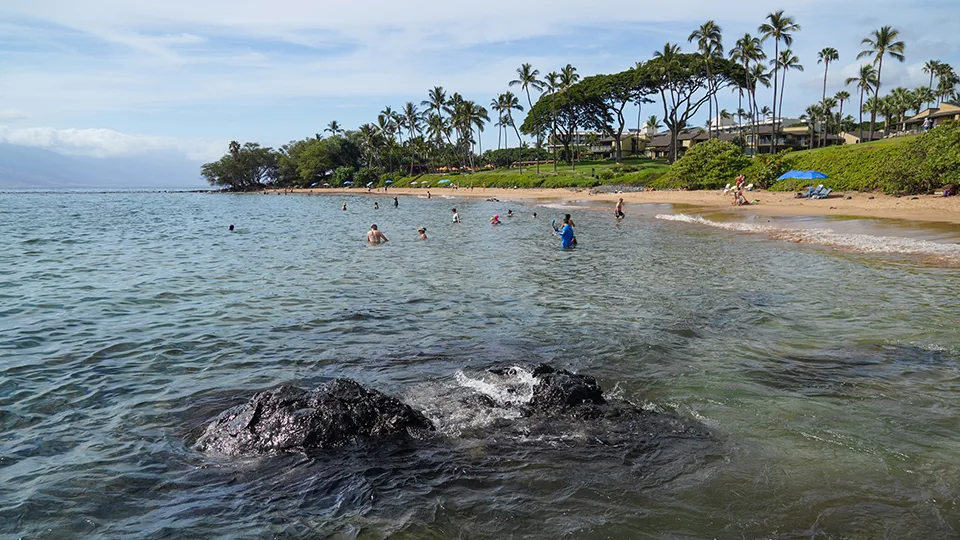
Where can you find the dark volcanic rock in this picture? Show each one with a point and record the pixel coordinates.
(559, 390)
(289, 418)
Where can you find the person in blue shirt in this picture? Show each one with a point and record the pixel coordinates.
(567, 238)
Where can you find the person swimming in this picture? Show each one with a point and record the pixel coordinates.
(376, 205)
(423, 233)
(509, 213)
(495, 220)
(344, 207)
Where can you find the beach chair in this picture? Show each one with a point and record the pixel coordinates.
(822, 194)
(749, 187)
(726, 189)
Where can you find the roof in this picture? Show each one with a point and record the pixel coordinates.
(945, 110)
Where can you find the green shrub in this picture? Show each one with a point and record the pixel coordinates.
(341, 175)
(606, 175)
(766, 168)
(928, 162)
(708, 165)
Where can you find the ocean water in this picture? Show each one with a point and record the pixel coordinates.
(822, 357)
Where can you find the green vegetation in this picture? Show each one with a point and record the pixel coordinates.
(638, 172)
(708, 165)
(900, 166)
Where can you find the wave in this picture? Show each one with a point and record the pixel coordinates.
(862, 243)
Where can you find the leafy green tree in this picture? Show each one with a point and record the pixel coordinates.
(243, 168)
(615, 92)
(342, 175)
(779, 27)
(880, 43)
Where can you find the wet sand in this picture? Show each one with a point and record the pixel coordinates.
(932, 208)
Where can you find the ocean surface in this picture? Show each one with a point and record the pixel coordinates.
(821, 356)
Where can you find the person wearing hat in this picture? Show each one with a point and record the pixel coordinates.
(374, 236)
(423, 233)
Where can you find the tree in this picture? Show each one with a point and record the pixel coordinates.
(526, 79)
(710, 43)
(243, 168)
(333, 128)
(652, 123)
(825, 56)
(436, 100)
(865, 82)
(615, 92)
(842, 97)
(569, 77)
(679, 78)
(932, 67)
(749, 49)
(551, 83)
(880, 43)
(780, 28)
(786, 62)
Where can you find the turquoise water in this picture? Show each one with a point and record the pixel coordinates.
(827, 374)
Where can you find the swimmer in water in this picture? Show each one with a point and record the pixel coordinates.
(509, 213)
(231, 227)
(376, 206)
(495, 220)
(374, 236)
(396, 203)
(567, 239)
(423, 233)
(344, 207)
(456, 216)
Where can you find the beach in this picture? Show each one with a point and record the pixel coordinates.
(932, 208)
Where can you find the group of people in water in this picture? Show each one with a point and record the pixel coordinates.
(568, 238)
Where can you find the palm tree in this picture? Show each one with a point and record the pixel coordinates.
(947, 84)
(652, 123)
(749, 49)
(436, 100)
(780, 28)
(509, 104)
(922, 95)
(551, 84)
(710, 42)
(812, 115)
(766, 112)
(865, 82)
(333, 128)
(825, 56)
(496, 106)
(787, 62)
(932, 67)
(828, 104)
(412, 119)
(880, 43)
(478, 117)
(760, 76)
(842, 96)
(527, 78)
(568, 78)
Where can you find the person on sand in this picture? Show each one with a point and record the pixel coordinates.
(396, 203)
(374, 236)
(423, 233)
(618, 212)
(495, 220)
(567, 238)
(456, 216)
(739, 199)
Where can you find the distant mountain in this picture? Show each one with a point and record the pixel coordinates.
(28, 167)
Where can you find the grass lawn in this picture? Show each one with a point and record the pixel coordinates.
(586, 174)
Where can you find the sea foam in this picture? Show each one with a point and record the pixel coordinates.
(862, 243)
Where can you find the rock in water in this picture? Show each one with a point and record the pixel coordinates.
(289, 418)
(558, 390)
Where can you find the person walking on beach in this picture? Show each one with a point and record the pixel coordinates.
(374, 236)
(396, 203)
(619, 211)
(456, 216)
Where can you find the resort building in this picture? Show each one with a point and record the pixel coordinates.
(937, 116)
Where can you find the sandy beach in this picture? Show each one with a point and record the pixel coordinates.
(933, 208)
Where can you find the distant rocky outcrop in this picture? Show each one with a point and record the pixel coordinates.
(290, 418)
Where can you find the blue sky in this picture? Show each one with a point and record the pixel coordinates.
(106, 78)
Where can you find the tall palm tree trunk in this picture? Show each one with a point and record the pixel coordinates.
(876, 95)
(776, 75)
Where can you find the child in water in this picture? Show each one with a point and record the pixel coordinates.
(495, 220)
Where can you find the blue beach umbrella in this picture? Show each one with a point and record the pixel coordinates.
(803, 175)
(369, 184)
(348, 183)
(388, 182)
(444, 181)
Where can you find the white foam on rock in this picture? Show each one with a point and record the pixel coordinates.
(862, 243)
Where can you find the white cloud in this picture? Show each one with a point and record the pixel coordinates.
(106, 143)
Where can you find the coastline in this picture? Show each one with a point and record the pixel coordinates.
(928, 208)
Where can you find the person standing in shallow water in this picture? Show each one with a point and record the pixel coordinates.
(619, 211)
(374, 236)
(567, 238)
(396, 203)
(376, 206)
(456, 216)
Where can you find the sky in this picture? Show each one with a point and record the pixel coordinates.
(115, 78)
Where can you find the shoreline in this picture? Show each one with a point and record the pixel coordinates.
(925, 208)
